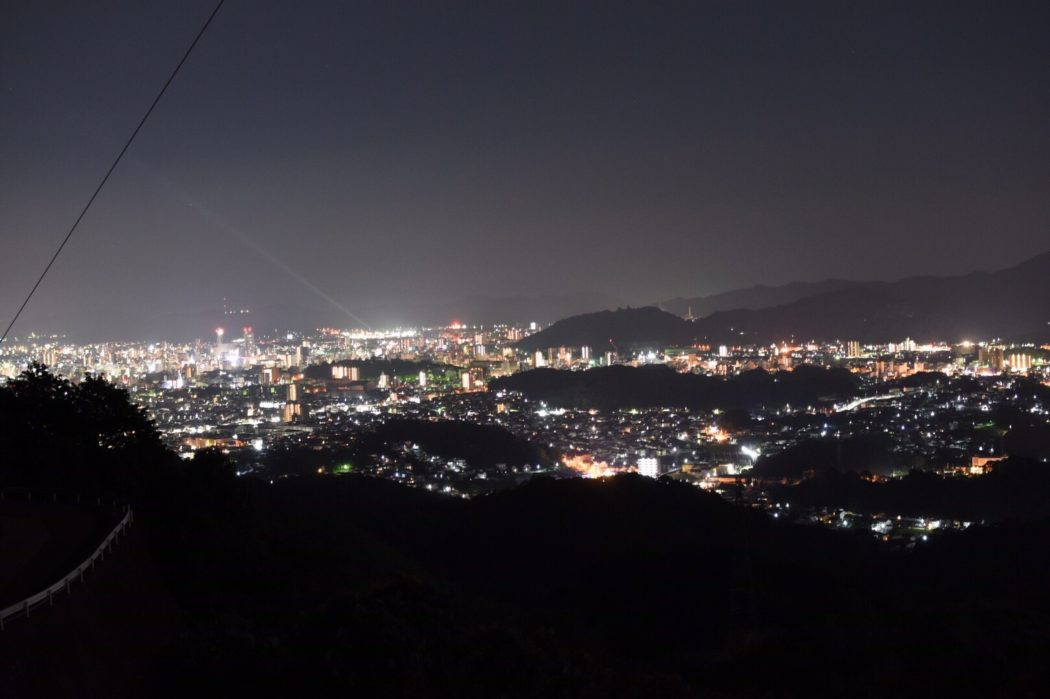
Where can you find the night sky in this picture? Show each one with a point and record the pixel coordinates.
(377, 156)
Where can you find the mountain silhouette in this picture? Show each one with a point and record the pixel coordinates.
(752, 297)
(624, 328)
(1009, 304)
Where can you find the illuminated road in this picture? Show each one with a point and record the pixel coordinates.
(861, 401)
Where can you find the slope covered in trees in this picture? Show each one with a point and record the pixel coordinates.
(620, 587)
(658, 386)
(481, 446)
(610, 331)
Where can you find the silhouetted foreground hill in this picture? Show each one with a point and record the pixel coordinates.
(624, 587)
(610, 331)
(1010, 303)
(344, 585)
(659, 386)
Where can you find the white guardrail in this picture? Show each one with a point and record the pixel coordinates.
(25, 606)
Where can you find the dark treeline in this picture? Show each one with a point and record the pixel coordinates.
(372, 368)
(481, 446)
(1017, 488)
(872, 453)
(619, 387)
(623, 587)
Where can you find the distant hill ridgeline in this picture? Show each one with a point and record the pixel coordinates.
(624, 328)
(753, 297)
(1012, 303)
(621, 387)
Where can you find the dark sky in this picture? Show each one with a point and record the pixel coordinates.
(385, 155)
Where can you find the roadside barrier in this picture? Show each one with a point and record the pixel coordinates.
(27, 605)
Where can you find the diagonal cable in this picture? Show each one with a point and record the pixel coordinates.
(109, 172)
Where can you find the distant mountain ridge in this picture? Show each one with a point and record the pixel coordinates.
(1012, 303)
(752, 297)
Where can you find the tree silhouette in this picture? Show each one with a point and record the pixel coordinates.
(73, 435)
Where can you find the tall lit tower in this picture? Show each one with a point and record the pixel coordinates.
(249, 341)
(218, 335)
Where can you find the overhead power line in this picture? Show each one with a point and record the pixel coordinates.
(112, 167)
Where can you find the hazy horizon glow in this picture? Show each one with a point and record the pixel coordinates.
(392, 163)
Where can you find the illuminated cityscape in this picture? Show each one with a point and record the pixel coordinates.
(533, 349)
(321, 393)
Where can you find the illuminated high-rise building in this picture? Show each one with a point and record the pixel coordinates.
(340, 372)
(1020, 362)
(290, 411)
(249, 340)
(649, 466)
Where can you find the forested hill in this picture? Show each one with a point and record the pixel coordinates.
(624, 328)
(659, 386)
